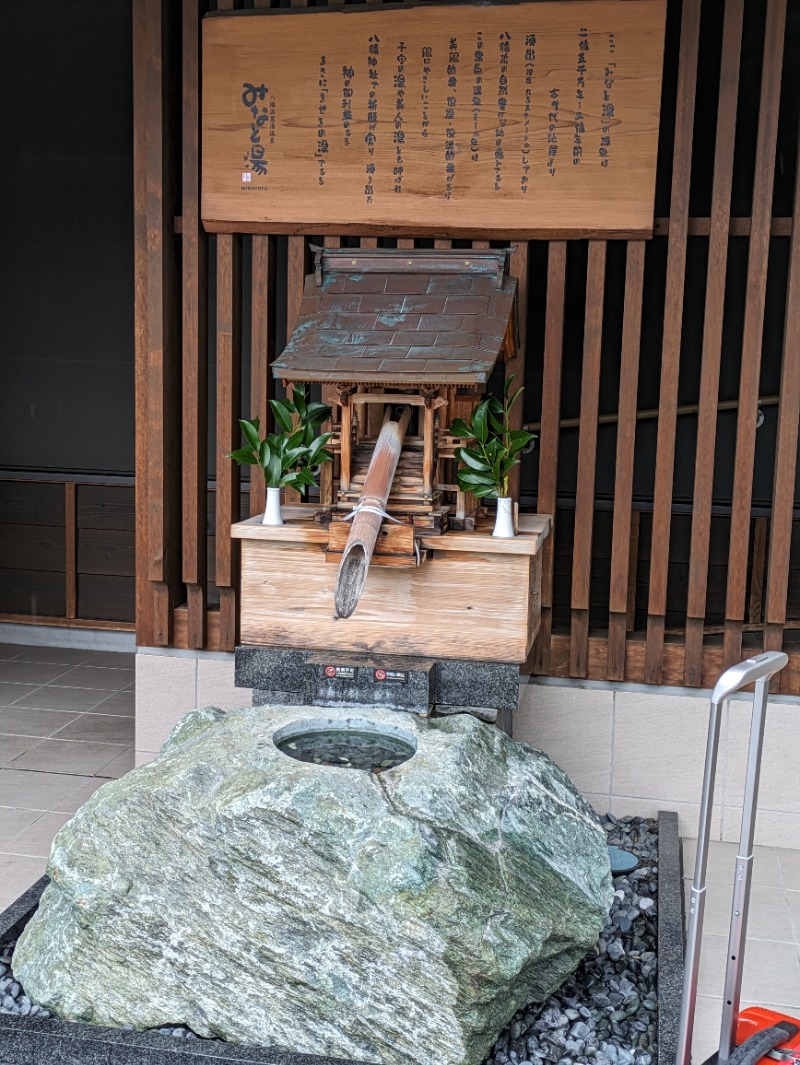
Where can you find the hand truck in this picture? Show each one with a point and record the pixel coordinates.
(756, 1033)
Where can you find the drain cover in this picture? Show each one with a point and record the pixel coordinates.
(621, 861)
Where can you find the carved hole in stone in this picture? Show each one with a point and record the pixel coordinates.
(353, 743)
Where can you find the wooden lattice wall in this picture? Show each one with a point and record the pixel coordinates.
(211, 314)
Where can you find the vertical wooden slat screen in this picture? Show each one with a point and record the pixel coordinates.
(195, 342)
(587, 458)
(550, 434)
(671, 346)
(157, 317)
(712, 341)
(753, 328)
(674, 627)
(519, 268)
(783, 502)
(229, 279)
(621, 576)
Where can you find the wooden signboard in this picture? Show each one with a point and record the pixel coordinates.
(523, 119)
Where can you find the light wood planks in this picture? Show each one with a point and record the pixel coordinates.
(671, 347)
(288, 591)
(755, 300)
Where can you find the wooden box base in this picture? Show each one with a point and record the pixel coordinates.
(473, 597)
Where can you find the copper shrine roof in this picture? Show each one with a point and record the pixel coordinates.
(394, 315)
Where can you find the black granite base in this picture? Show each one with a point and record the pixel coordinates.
(394, 682)
(670, 935)
(50, 1041)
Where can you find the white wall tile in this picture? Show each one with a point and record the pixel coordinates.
(215, 685)
(659, 747)
(143, 757)
(688, 812)
(572, 726)
(774, 828)
(166, 689)
(778, 761)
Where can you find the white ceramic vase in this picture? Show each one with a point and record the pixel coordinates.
(504, 522)
(272, 511)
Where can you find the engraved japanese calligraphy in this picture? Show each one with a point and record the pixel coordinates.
(538, 118)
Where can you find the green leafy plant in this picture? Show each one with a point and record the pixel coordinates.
(489, 460)
(287, 458)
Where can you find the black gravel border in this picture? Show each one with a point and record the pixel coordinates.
(51, 1041)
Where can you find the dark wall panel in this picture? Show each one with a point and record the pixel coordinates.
(66, 237)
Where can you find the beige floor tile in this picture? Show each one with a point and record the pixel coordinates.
(722, 860)
(36, 839)
(9, 693)
(24, 721)
(705, 1038)
(98, 728)
(572, 726)
(72, 656)
(121, 765)
(120, 704)
(13, 821)
(98, 677)
(35, 791)
(789, 860)
(771, 970)
(769, 917)
(12, 747)
(74, 799)
(31, 673)
(58, 697)
(17, 874)
(670, 768)
(65, 756)
(793, 902)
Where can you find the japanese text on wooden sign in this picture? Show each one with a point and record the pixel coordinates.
(535, 119)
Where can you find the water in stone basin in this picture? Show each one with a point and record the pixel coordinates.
(370, 751)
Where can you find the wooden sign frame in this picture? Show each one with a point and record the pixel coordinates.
(520, 120)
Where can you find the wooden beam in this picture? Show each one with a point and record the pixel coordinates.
(262, 349)
(518, 267)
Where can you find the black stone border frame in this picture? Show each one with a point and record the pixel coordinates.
(50, 1041)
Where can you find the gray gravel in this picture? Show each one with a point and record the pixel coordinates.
(604, 1014)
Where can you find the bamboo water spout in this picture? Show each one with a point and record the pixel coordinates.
(370, 510)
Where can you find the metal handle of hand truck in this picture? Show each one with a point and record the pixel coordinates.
(758, 669)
